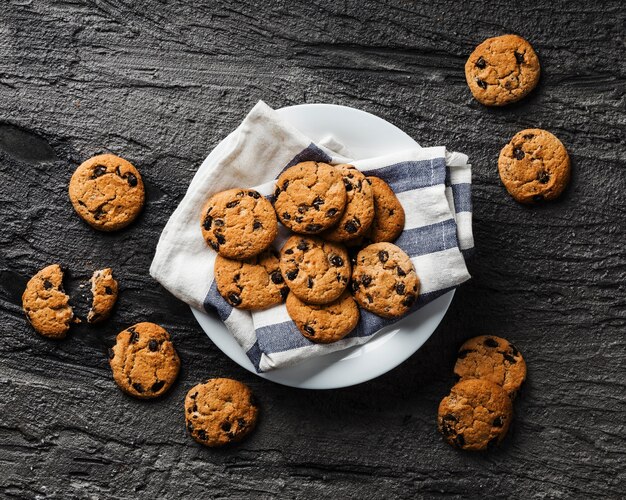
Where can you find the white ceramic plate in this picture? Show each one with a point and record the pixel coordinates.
(365, 135)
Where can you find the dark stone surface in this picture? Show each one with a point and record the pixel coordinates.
(161, 83)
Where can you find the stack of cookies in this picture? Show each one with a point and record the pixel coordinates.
(339, 256)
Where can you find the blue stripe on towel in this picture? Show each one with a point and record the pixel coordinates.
(215, 302)
(311, 153)
(462, 194)
(254, 354)
(421, 174)
(428, 239)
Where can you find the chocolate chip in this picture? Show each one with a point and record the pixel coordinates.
(277, 278)
(194, 395)
(226, 426)
(409, 299)
(208, 222)
(459, 440)
(450, 417)
(482, 84)
(302, 208)
(131, 179)
(289, 251)
(291, 275)
(391, 211)
(98, 171)
(134, 335)
(47, 284)
(464, 353)
(312, 228)
(241, 422)
(298, 219)
(369, 298)
(336, 260)
(519, 57)
(348, 184)
(254, 194)
(308, 329)
(220, 238)
(153, 345)
(214, 245)
(111, 353)
(98, 213)
(232, 204)
(138, 387)
(309, 283)
(237, 277)
(219, 222)
(383, 256)
(284, 291)
(509, 358)
(339, 278)
(518, 153)
(481, 63)
(117, 171)
(354, 285)
(514, 350)
(366, 280)
(489, 342)
(317, 202)
(331, 212)
(400, 288)
(497, 422)
(108, 290)
(195, 408)
(400, 271)
(351, 227)
(528, 136)
(241, 194)
(157, 386)
(544, 177)
(256, 225)
(202, 434)
(537, 198)
(303, 245)
(234, 299)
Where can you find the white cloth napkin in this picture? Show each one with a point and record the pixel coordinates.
(433, 186)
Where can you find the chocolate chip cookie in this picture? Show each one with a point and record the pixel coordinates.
(324, 323)
(238, 223)
(144, 361)
(359, 212)
(107, 192)
(492, 358)
(310, 197)
(475, 415)
(46, 305)
(220, 411)
(384, 280)
(104, 293)
(534, 166)
(502, 70)
(388, 220)
(316, 271)
(254, 283)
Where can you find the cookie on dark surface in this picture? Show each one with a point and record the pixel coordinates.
(254, 283)
(238, 223)
(104, 295)
(324, 323)
(389, 216)
(475, 415)
(220, 411)
(491, 358)
(46, 304)
(310, 197)
(359, 212)
(144, 361)
(107, 192)
(316, 271)
(502, 70)
(384, 280)
(534, 166)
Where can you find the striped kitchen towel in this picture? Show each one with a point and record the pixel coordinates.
(433, 185)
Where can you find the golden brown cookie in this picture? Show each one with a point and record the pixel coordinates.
(502, 70)
(238, 223)
(254, 283)
(534, 166)
(220, 411)
(388, 220)
(107, 192)
(475, 415)
(359, 212)
(316, 271)
(324, 323)
(310, 197)
(104, 293)
(492, 358)
(384, 280)
(46, 305)
(144, 361)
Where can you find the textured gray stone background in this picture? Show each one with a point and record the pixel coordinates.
(161, 83)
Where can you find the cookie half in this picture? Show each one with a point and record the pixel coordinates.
(310, 197)
(220, 411)
(238, 223)
(46, 304)
(144, 361)
(389, 216)
(492, 358)
(107, 192)
(104, 295)
(502, 70)
(475, 415)
(254, 283)
(534, 166)
(324, 323)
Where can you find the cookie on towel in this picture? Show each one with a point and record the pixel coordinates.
(388, 220)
